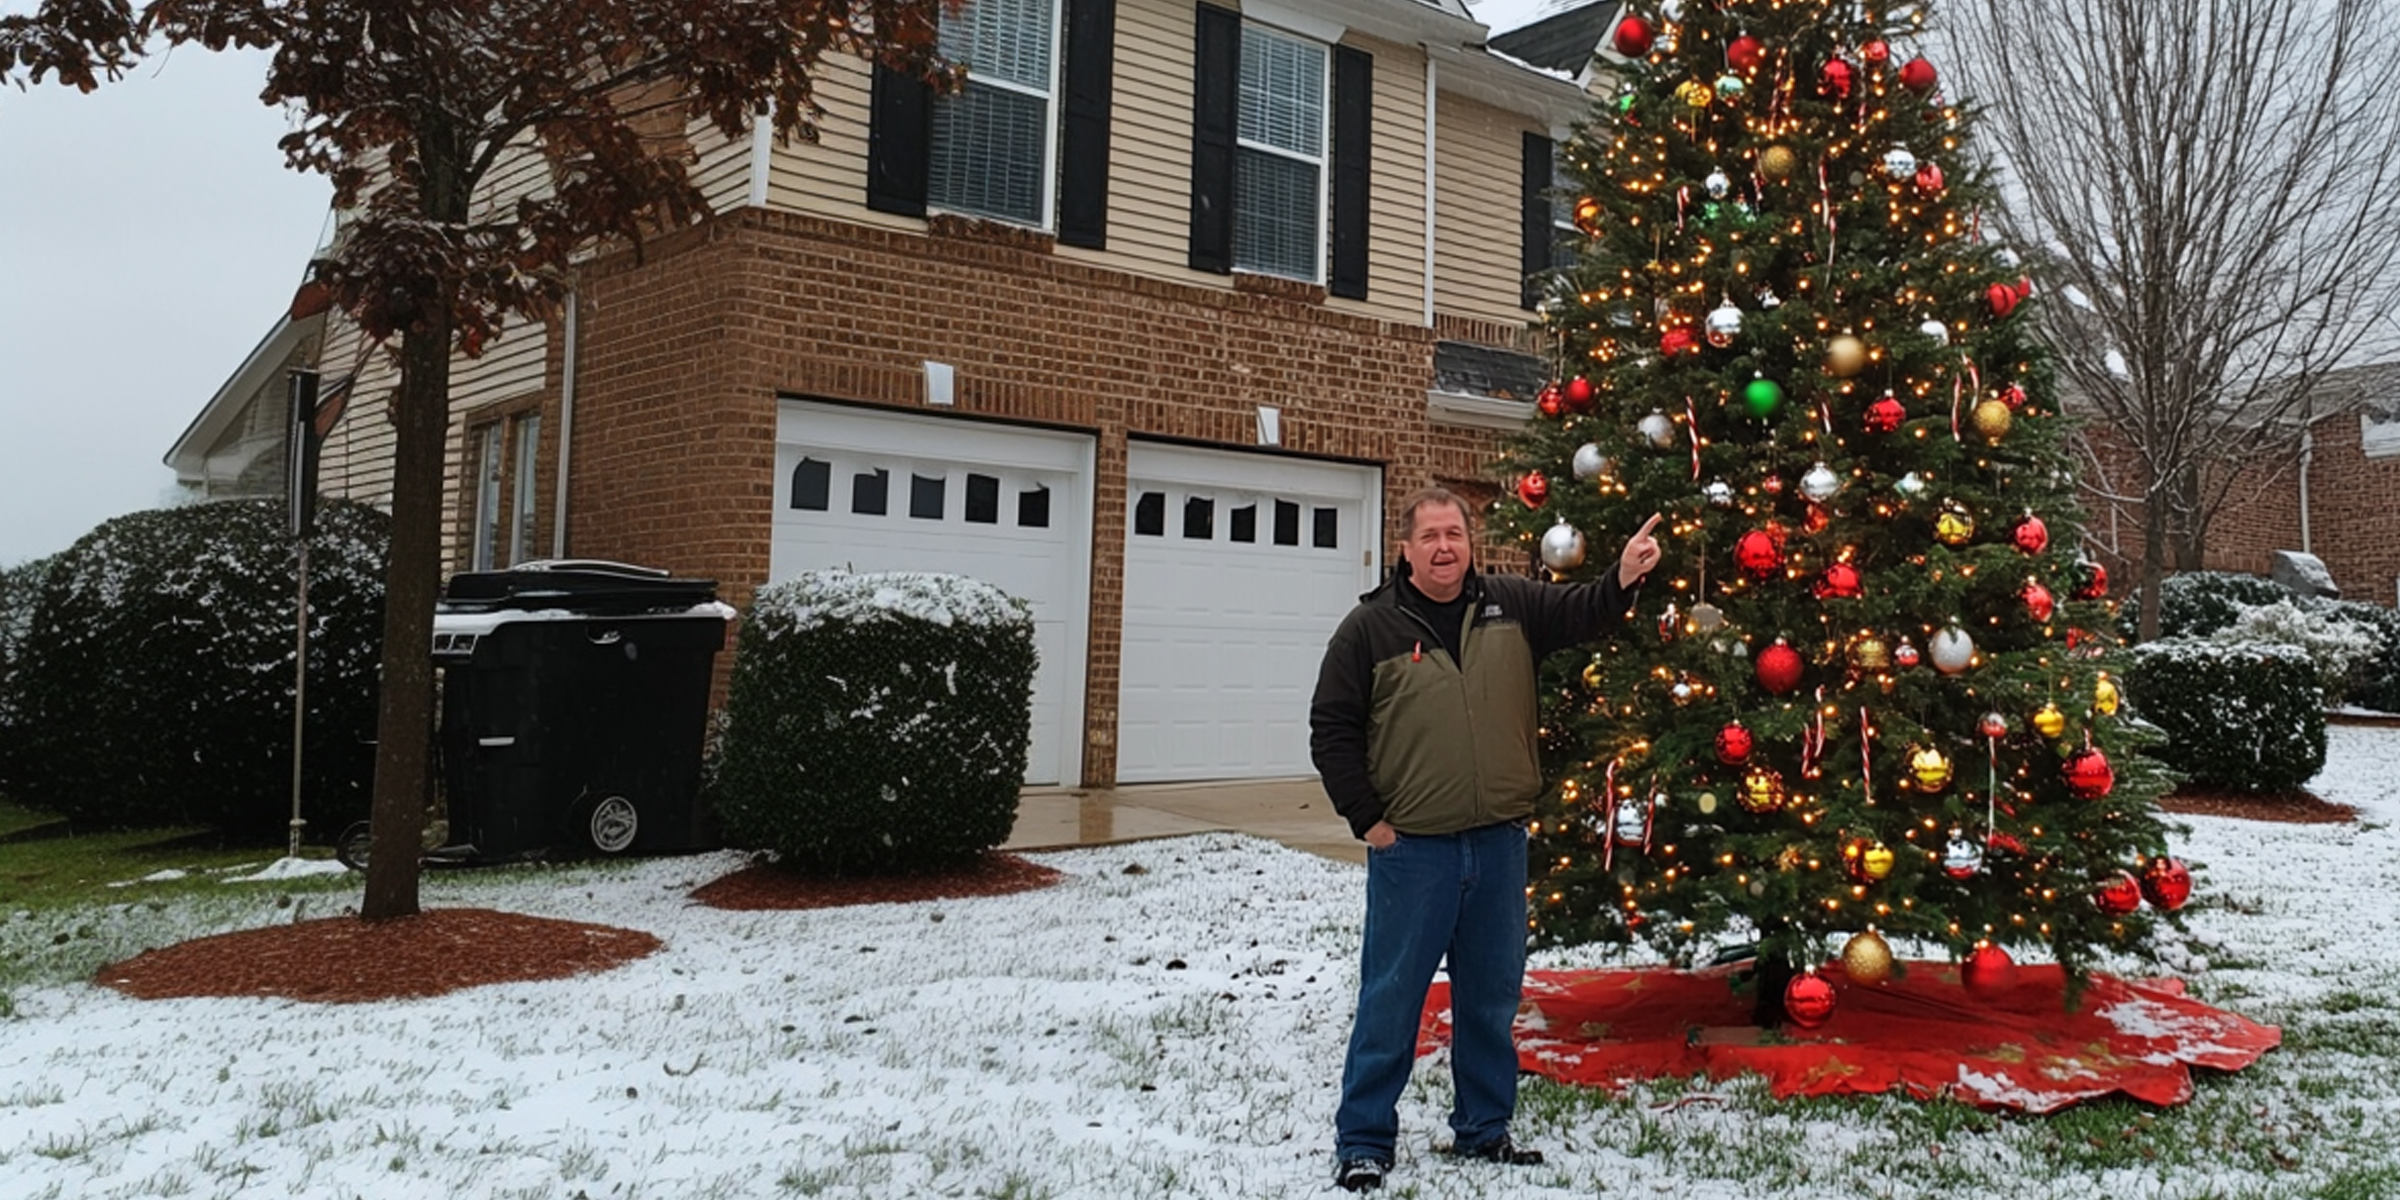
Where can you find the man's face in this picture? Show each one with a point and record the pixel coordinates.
(1437, 550)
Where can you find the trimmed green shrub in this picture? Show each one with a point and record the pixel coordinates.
(2335, 642)
(154, 683)
(877, 724)
(2200, 603)
(2248, 717)
(20, 591)
(2375, 680)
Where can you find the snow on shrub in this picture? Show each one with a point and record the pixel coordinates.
(2334, 643)
(2200, 603)
(2248, 716)
(153, 685)
(877, 723)
(20, 589)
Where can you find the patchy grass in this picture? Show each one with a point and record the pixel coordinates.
(66, 869)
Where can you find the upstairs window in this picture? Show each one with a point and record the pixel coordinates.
(992, 141)
(1279, 164)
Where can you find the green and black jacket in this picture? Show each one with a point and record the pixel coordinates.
(1401, 733)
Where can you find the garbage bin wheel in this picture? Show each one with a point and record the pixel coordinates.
(350, 849)
(610, 824)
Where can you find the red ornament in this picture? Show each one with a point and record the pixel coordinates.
(1836, 79)
(1779, 668)
(1745, 53)
(1816, 518)
(1885, 414)
(1552, 401)
(1771, 485)
(1634, 37)
(1733, 744)
(1840, 582)
(1759, 554)
(2013, 396)
(2088, 774)
(2119, 894)
(1875, 53)
(1989, 969)
(1678, 340)
(1993, 725)
(1929, 179)
(2003, 840)
(2166, 884)
(2091, 580)
(1918, 75)
(1905, 656)
(1533, 489)
(1579, 394)
(2003, 300)
(2030, 535)
(1808, 1000)
(2038, 601)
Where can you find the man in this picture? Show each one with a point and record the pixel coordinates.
(1424, 730)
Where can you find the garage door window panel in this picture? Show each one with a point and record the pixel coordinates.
(1150, 515)
(812, 486)
(870, 492)
(1033, 508)
(1242, 523)
(1199, 518)
(925, 496)
(983, 499)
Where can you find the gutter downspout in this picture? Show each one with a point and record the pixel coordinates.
(1430, 79)
(2308, 455)
(762, 155)
(566, 430)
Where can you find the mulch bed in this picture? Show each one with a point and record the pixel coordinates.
(2296, 807)
(341, 960)
(766, 886)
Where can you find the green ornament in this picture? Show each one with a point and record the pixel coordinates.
(1762, 397)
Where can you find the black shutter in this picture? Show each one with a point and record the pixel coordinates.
(1353, 112)
(1216, 117)
(1083, 126)
(899, 143)
(1538, 229)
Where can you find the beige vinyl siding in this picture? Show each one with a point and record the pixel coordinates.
(356, 462)
(1150, 146)
(1479, 166)
(828, 177)
(721, 166)
(1396, 187)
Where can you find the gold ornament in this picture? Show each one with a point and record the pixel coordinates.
(1866, 859)
(1778, 162)
(1867, 958)
(1587, 216)
(1992, 420)
(1931, 769)
(1694, 93)
(1869, 653)
(1955, 526)
(1706, 802)
(1592, 677)
(1762, 790)
(2105, 696)
(1845, 356)
(2050, 722)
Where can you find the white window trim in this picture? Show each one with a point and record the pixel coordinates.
(525, 505)
(1052, 120)
(1323, 160)
(484, 547)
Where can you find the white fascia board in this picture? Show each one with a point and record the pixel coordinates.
(1406, 22)
(189, 455)
(1477, 412)
(1550, 101)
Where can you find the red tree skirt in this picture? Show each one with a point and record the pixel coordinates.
(2018, 1049)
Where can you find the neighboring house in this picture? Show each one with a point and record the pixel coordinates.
(2330, 487)
(234, 449)
(1149, 326)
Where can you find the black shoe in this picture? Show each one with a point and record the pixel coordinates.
(1360, 1174)
(1499, 1150)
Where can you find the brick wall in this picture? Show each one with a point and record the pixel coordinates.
(686, 349)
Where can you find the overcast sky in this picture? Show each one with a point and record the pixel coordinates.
(149, 235)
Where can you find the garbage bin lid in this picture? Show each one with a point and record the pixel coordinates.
(576, 585)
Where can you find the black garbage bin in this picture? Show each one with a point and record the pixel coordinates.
(574, 705)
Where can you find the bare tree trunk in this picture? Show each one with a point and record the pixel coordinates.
(2154, 554)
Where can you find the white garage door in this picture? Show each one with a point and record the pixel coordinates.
(1237, 568)
(879, 491)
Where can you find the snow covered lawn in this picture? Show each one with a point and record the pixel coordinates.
(1168, 1022)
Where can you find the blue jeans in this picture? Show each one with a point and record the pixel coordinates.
(1460, 895)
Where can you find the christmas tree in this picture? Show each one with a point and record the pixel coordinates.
(1870, 690)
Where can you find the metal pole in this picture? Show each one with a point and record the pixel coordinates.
(299, 701)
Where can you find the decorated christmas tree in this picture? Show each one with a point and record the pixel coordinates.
(1870, 691)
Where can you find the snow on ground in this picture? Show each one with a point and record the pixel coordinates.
(1167, 1022)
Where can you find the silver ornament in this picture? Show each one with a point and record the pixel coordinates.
(1589, 462)
(1951, 649)
(1723, 325)
(1632, 824)
(1939, 332)
(1911, 485)
(1962, 858)
(1562, 548)
(1899, 163)
(1707, 618)
(1718, 493)
(1768, 299)
(1730, 87)
(1718, 185)
(1657, 429)
(1820, 483)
